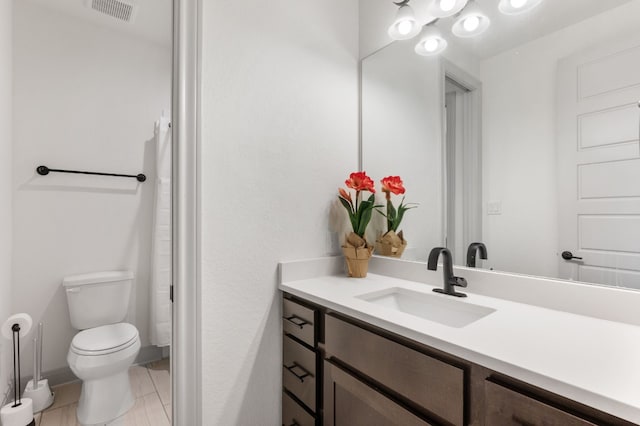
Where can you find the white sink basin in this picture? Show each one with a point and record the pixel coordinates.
(447, 310)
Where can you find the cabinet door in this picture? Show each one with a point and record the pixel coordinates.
(506, 407)
(293, 414)
(436, 386)
(350, 402)
(299, 321)
(299, 371)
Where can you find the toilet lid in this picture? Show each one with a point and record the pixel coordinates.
(104, 339)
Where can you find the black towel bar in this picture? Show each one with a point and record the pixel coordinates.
(44, 170)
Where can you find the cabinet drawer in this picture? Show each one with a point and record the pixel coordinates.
(350, 402)
(299, 371)
(426, 381)
(293, 414)
(299, 321)
(510, 408)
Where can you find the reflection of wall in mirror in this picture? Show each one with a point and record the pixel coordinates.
(401, 120)
(402, 131)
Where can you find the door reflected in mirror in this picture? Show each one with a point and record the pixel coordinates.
(532, 149)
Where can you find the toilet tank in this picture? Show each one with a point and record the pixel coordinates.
(98, 298)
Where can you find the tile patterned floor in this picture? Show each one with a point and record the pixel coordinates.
(150, 385)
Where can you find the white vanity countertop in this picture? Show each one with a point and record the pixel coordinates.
(592, 361)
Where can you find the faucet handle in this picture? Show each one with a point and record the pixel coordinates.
(459, 281)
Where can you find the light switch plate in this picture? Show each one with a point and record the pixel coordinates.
(494, 207)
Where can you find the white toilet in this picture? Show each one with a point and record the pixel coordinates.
(101, 354)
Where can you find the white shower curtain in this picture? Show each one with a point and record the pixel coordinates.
(161, 243)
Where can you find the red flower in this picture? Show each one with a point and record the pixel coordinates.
(392, 184)
(344, 194)
(360, 182)
(360, 210)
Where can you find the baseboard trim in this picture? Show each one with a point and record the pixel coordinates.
(59, 376)
(149, 354)
(63, 375)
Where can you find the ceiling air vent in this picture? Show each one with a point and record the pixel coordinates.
(118, 9)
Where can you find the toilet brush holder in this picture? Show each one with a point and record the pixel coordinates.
(38, 389)
(40, 395)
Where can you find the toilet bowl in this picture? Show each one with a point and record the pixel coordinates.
(101, 358)
(102, 352)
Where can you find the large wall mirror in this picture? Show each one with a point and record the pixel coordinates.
(525, 138)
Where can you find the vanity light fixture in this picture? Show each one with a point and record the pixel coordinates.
(405, 25)
(471, 22)
(431, 42)
(515, 7)
(445, 8)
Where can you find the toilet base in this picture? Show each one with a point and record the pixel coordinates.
(103, 400)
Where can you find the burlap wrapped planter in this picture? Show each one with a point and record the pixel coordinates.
(357, 254)
(391, 244)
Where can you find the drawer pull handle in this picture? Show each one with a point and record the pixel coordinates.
(297, 321)
(520, 421)
(301, 377)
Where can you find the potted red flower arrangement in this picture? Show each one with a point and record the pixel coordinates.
(357, 251)
(392, 243)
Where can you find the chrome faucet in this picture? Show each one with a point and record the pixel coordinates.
(473, 250)
(447, 270)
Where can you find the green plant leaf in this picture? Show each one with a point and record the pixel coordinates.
(391, 216)
(381, 212)
(364, 215)
(346, 204)
(402, 208)
(352, 217)
(391, 210)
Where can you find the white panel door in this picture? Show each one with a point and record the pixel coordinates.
(599, 164)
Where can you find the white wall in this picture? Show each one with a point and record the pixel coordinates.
(519, 140)
(5, 185)
(280, 129)
(86, 98)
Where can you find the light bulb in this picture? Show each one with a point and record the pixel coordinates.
(431, 44)
(471, 23)
(404, 27)
(517, 4)
(447, 5)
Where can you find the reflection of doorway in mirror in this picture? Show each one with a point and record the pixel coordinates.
(462, 165)
(454, 139)
(598, 191)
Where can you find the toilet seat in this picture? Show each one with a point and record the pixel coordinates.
(104, 340)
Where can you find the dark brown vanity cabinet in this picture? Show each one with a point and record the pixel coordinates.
(351, 402)
(507, 407)
(367, 376)
(433, 387)
(300, 364)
